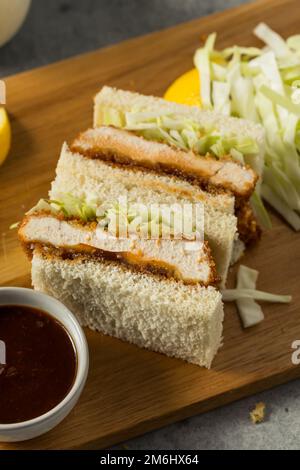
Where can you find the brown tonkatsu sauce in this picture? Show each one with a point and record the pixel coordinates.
(40, 363)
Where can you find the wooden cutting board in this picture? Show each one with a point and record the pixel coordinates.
(131, 391)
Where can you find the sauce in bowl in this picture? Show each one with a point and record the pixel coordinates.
(38, 363)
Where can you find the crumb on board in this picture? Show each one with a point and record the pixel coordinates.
(257, 415)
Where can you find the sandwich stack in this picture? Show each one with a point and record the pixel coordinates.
(161, 293)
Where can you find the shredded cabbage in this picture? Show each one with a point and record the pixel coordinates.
(203, 64)
(42, 205)
(72, 206)
(282, 208)
(272, 39)
(243, 51)
(68, 205)
(260, 210)
(293, 43)
(229, 295)
(148, 221)
(245, 295)
(123, 219)
(280, 100)
(250, 311)
(220, 96)
(14, 225)
(263, 85)
(184, 132)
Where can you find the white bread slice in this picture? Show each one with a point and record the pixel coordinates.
(185, 260)
(109, 143)
(81, 176)
(128, 101)
(158, 314)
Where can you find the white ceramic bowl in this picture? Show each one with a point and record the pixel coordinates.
(42, 424)
(12, 15)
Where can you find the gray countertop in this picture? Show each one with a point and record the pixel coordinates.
(61, 28)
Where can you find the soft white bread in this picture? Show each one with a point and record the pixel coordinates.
(128, 101)
(185, 260)
(119, 145)
(158, 314)
(81, 176)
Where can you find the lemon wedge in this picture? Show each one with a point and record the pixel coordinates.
(185, 89)
(5, 135)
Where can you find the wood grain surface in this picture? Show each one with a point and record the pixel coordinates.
(131, 391)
